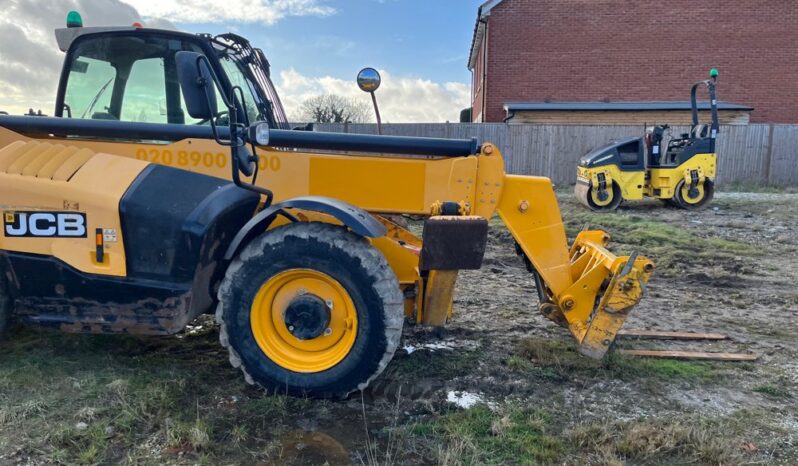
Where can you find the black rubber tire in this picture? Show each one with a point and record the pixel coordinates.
(350, 259)
(709, 193)
(616, 199)
(5, 309)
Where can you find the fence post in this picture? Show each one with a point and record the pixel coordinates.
(769, 155)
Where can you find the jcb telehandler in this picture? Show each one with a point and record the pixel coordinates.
(633, 168)
(118, 218)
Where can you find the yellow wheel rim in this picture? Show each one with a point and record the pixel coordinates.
(686, 193)
(267, 318)
(595, 198)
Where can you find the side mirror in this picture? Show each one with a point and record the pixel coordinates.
(368, 80)
(196, 81)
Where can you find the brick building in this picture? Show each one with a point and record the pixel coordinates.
(594, 52)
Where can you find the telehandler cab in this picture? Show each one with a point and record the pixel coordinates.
(633, 168)
(118, 218)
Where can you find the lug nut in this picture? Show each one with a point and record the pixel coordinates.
(327, 332)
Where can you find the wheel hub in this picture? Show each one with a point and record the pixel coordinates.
(307, 317)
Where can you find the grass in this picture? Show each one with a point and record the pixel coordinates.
(773, 391)
(752, 187)
(514, 434)
(81, 399)
(556, 360)
(479, 435)
(688, 440)
(675, 249)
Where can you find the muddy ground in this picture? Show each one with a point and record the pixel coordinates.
(731, 268)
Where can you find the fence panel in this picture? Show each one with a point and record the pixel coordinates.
(783, 164)
(756, 153)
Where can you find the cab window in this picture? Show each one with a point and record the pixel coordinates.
(127, 78)
(144, 99)
(630, 154)
(238, 78)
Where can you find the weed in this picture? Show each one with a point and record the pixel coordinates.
(239, 434)
(393, 446)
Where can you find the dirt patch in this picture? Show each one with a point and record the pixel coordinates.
(730, 268)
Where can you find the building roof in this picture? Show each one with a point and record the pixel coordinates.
(479, 30)
(640, 106)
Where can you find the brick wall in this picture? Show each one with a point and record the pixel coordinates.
(575, 50)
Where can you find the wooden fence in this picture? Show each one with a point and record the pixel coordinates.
(756, 153)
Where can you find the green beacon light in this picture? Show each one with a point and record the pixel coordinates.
(713, 73)
(74, 20)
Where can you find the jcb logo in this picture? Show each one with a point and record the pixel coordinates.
(45, 224)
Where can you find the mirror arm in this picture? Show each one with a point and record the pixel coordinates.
(235, 142)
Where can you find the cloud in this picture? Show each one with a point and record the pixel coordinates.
(245, 11)
(401, 99)
(30, 61)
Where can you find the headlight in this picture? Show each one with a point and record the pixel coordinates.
(259, 133)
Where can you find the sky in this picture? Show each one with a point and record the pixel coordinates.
(314, 46)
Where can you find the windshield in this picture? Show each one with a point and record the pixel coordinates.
(248, 69)
(126, 77)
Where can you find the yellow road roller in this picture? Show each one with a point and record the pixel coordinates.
(630, 169)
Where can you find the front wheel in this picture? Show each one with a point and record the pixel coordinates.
(5, 309)
(696, 197)
(604, 201)
(310, 309)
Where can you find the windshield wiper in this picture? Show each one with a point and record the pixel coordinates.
(96, 98)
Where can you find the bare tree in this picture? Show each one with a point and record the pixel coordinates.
(331, 108)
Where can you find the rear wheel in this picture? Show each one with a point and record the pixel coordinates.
(604, 201)
(693, 198)
(310, 309)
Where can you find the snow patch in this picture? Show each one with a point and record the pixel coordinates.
(466, 400)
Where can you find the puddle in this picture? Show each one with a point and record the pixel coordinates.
(442, 346)
(301, 447)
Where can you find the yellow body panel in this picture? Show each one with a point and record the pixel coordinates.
(666, 179)
(71, 181)
(632, 183)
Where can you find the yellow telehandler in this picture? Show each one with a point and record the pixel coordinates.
(167, 185)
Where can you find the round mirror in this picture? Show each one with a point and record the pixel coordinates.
(368, 79)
